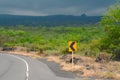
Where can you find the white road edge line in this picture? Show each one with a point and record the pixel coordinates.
(27, 67)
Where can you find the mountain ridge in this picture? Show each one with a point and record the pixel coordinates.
(51, 20)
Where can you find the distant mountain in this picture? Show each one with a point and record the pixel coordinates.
(53, 20)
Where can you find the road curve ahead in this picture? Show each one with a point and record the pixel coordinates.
(13, 67)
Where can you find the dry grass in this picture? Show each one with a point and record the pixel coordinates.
(32, 54)
(108, 75)
(22, 51)
(106, 70)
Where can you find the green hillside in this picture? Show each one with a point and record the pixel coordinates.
(52, 38)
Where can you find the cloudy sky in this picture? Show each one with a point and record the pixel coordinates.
(54, 7)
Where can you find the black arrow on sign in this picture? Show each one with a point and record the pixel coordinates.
(71, 46)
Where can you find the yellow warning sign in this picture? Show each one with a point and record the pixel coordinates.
(72, 46)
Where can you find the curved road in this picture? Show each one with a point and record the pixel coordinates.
(13, 67)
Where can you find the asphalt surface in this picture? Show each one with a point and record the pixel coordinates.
(57, 69)
(14, 67)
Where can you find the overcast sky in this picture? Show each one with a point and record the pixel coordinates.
(54, 7)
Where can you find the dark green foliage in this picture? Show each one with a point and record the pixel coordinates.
(111, 21)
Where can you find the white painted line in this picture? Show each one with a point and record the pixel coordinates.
(27, 67)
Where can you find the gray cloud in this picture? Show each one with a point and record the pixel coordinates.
(53, 7)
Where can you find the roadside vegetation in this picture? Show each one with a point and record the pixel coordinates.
(52, 38)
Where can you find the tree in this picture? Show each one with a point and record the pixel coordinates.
(111, 21)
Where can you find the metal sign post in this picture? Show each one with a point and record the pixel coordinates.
(72, 48)
(72, 60)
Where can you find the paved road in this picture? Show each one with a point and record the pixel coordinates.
(13, 67)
